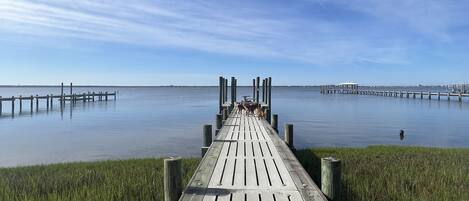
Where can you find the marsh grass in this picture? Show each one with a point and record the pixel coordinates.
(396, 173)
(372, 173)
(136, 179)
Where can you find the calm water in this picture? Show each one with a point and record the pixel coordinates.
(163, 121)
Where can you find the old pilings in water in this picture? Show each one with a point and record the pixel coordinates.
(333, 89)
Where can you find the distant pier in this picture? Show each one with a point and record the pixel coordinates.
(33, 101)
(338, 89)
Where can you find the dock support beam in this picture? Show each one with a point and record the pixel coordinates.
(172, 179)
(330, 178)
(289, 135)
(12, 106)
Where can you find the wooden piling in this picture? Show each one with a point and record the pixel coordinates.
(219, 123)
(289, 135)
(257, 88)
(429, 95)
(269, 98)
(226, 91)
(37, 102)
(84, 97)
(21, 104)
(12, 106)
(460, 97)
(207, 135)
(31, 103)
(61, 94)
(449, 96)
(220, 93)
(253, 90)
(263, 90)
(105, 96)
(172, 179)
(275, 122)
(204, 150)
(93, 97)
(1, 106)
(47, 102)
(51, 101)
(330, 178)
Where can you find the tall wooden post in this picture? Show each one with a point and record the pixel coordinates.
(330, 178)
(37, 102)
(12, 106)
(1, 106)
(257, 89)
(21, 104)
(62, 94)
(275, 122)
(219, 123)
(449, 96)
(172, 179)
(269, 98)
(207, 135)
(105, 95)
(226, 90)
(51, 101)
(460, 97)
(47, 102)
(263, 90)
(429, 95)
(31, 104)
(220, 92)
(253, 90)
(233, 98)
(71, 88)
(289, 135)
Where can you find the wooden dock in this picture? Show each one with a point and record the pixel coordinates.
(48, 100)
(248, 161)
(331, 89)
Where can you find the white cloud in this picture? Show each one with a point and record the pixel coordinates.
(226, 27)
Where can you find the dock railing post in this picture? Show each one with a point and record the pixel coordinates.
(219, 123)
(275, 122)
(289, 135)
(330, 178)
(172, 179)
(269, 98)
(1, 106)
(253, 90)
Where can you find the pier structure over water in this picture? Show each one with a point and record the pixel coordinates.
(247, 160)
(333, 89)
(62, 98)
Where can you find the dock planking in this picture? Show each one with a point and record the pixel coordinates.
(248, 161)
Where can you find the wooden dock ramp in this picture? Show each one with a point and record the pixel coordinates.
(248, 161)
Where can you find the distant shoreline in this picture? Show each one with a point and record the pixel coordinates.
(150, 86)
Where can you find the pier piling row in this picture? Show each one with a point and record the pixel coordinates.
(49, 100)
(333, 89)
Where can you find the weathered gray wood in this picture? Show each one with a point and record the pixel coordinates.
(257, 88)
(31, 104)
(219, 124)
(12, 106)
(47, 103)
(220, 91)
(21, 104)
(275, 122)
(289, 135)
(1, 106)
(172, 179)
(207, 135)
(37, 103)
(204, 150)
(330, 178)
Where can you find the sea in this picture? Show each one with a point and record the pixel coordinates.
(147, 122)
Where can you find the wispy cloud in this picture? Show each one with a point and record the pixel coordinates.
(239, 28)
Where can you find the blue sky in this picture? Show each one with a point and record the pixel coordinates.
(305, 42)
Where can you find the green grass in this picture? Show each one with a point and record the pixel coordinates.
(137, 179)
(373, 173)
(396, 173)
